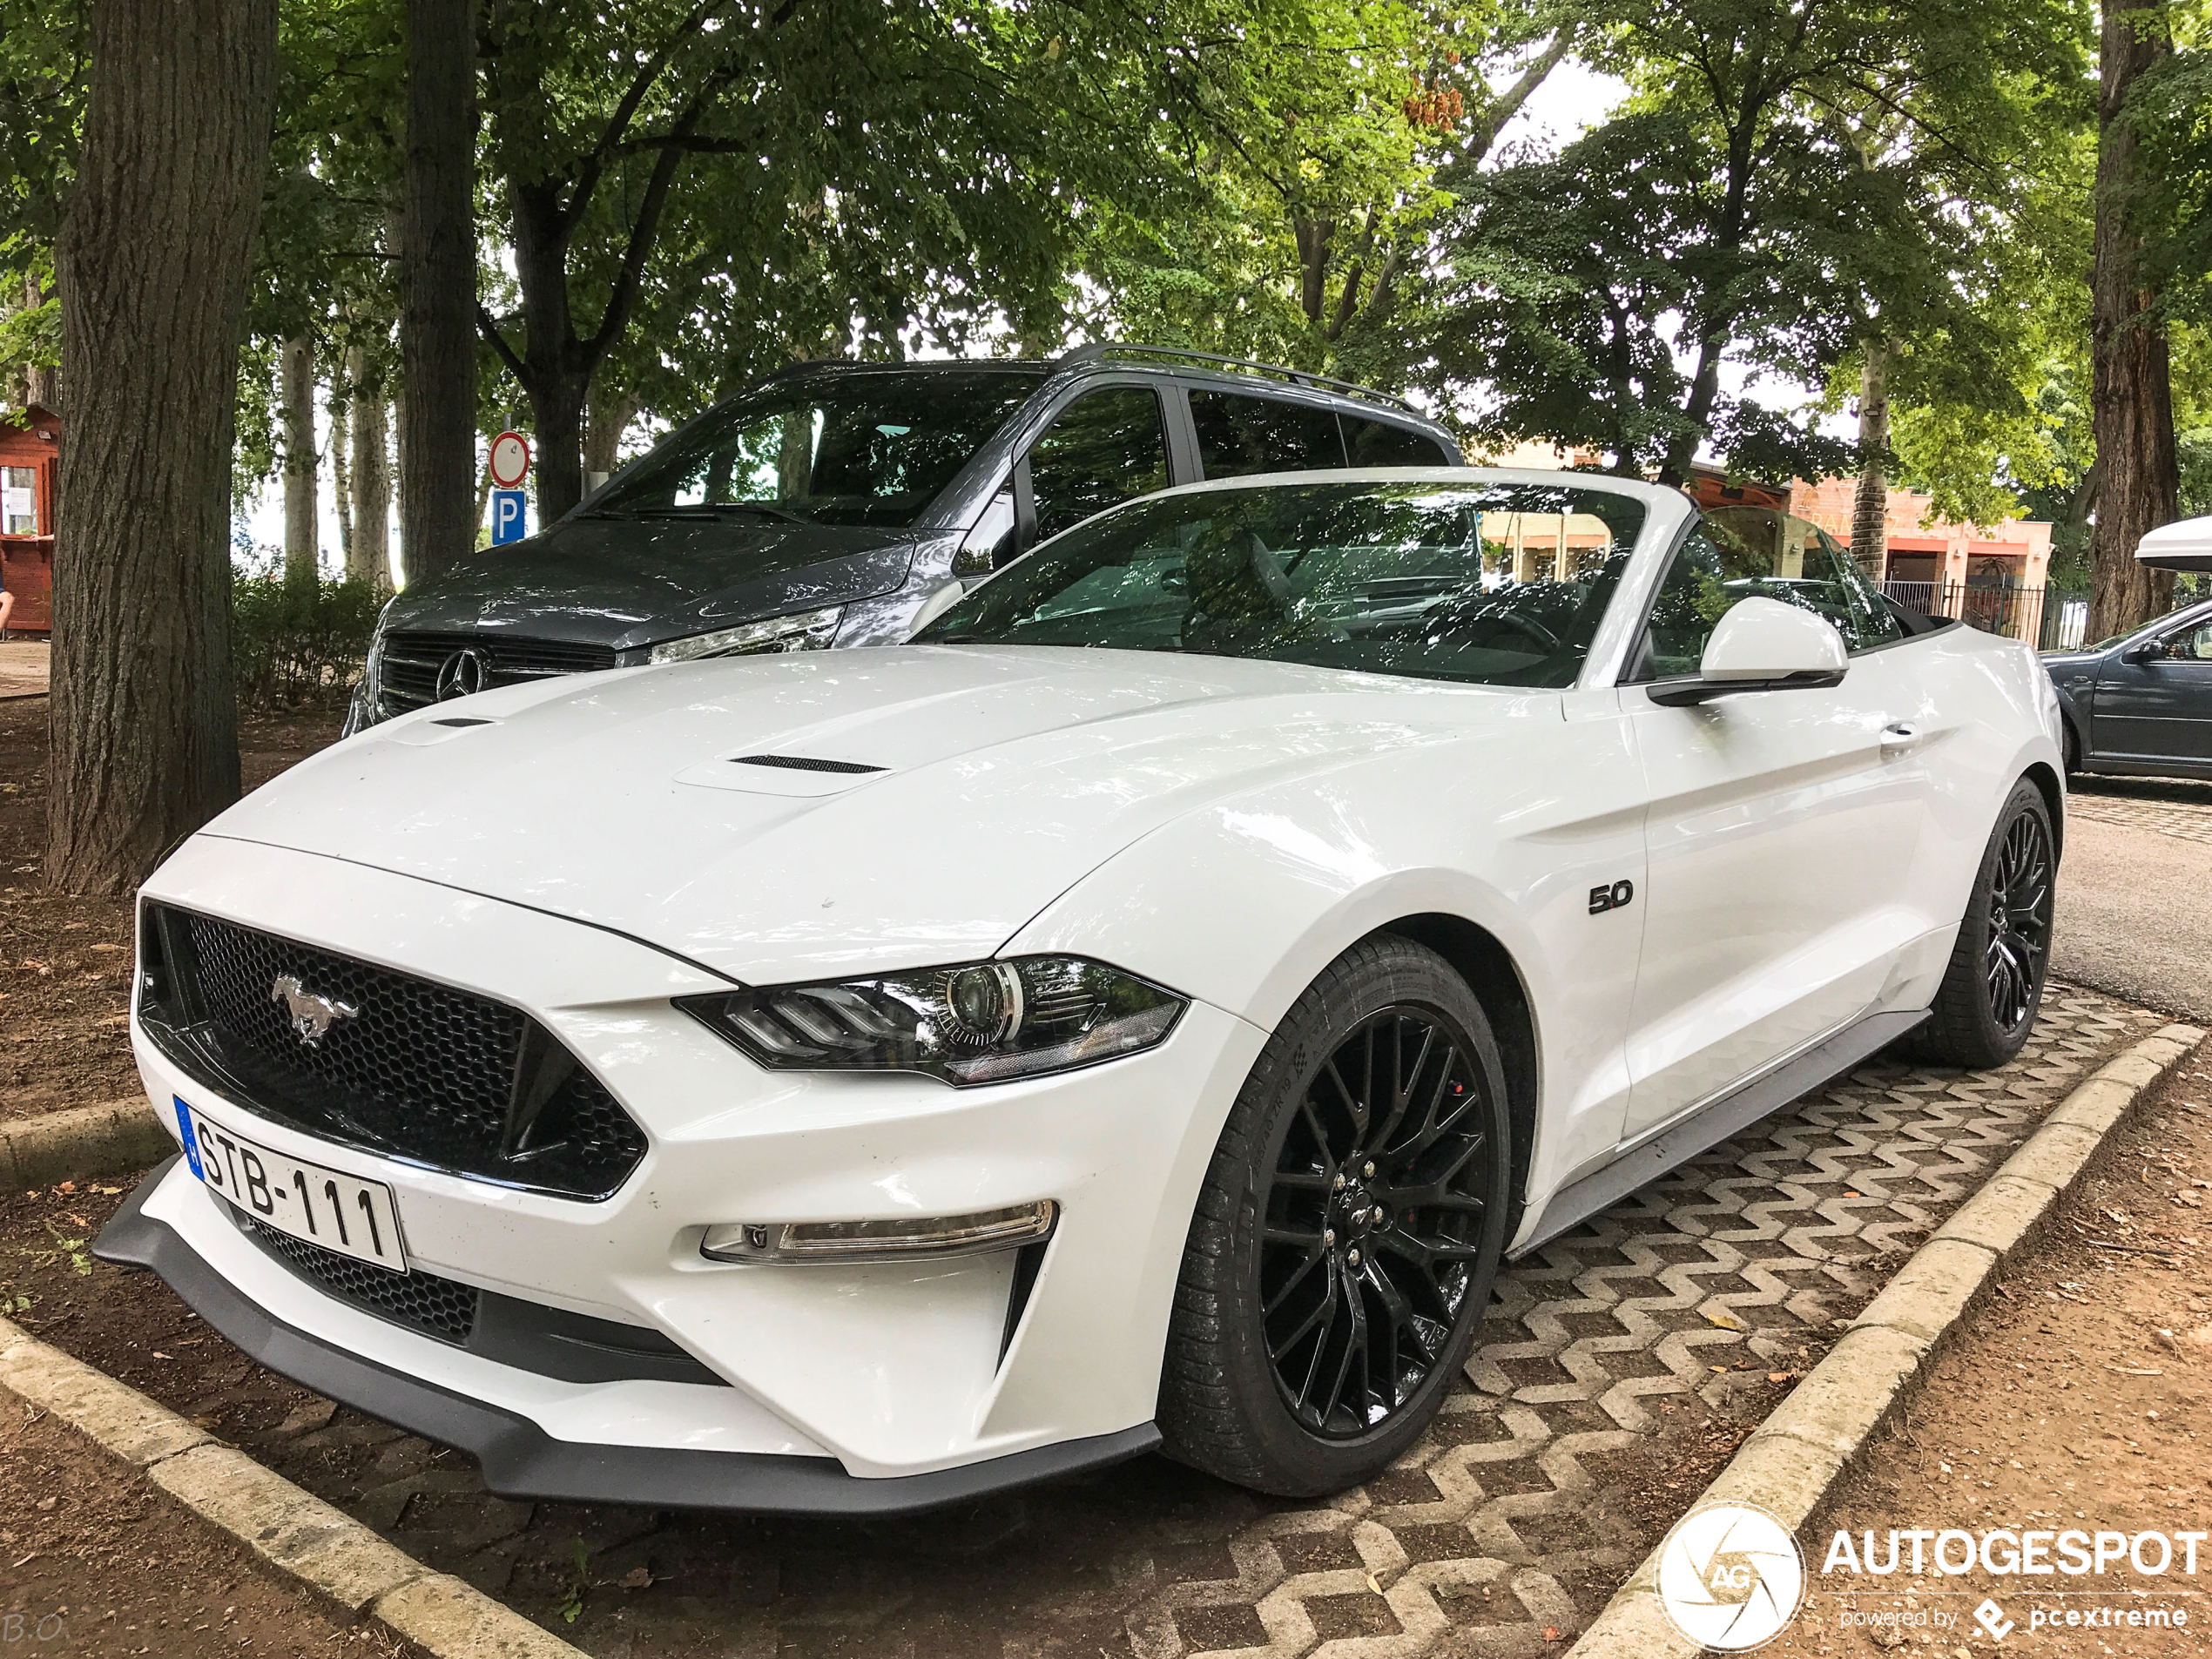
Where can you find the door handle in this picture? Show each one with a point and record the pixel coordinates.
(1898, 736)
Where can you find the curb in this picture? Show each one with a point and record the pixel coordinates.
(84, 1141)
(301, 1536)
(1797, 1456)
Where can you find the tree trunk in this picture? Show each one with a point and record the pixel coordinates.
(42, 382)
(302, 556)
(370, 560)
(2131, 400)
(607, 418)
(438, 287)
(342, 479)
(1870, 512)
(152, 262)
(556, 373)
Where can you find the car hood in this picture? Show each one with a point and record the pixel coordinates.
(628, 581)
(977, 786)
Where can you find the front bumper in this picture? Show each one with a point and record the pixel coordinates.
(520, 1459)
(860, 1389)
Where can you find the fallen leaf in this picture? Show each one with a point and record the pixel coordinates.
(1726, 1321)
(1375, 1584)
(638, 1578)
(1778, 1376)
(1551, 1633)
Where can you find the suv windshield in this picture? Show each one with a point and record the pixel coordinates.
(868, 447)
(1496, 584)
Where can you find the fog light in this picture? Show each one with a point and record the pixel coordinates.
(879, 1241)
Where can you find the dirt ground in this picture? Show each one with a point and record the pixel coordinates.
(98, 1563)
(2076, 1401)
(65, 962)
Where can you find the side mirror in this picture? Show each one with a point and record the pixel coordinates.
(2148, 651)
(1763, 645)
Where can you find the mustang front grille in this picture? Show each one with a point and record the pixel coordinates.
(359, 1053)
(412, 663)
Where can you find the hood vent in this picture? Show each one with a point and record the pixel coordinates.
(802, 763)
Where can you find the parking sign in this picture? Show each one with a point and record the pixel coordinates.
(508, 518)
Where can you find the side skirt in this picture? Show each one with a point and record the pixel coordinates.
(1712, 1124)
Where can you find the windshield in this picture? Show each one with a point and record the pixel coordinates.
(866, 448)
(1500, 585)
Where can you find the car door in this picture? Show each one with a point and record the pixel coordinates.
(1783, 828)
(2154, 699)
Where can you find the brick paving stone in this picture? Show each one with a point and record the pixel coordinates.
(2171, 805)
(1502, 1533)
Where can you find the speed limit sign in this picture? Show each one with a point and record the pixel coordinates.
(510, 459)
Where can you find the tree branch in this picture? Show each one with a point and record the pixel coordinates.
(488, 325)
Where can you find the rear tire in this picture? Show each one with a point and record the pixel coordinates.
(1993, 985)
(1348, 1233)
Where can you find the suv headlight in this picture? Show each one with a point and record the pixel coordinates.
(801, 631)
(976, 1022)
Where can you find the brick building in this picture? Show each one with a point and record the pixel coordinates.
(2014, 554)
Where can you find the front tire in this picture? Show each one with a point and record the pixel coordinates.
(1348, 1233)
(1993, 985)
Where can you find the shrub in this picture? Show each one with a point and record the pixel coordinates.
(296, 647)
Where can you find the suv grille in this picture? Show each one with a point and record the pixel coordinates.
(417, 1070)
(411, 662)
(438, 1307)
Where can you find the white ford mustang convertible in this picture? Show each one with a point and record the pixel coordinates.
(1142, 1012)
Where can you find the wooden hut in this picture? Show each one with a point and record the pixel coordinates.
(30, 480)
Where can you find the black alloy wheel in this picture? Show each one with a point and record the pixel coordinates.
(1374, 1213)
(2019, 922)
(1994, 983)
(1347, 1233)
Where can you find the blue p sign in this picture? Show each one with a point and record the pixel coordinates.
(507, 517)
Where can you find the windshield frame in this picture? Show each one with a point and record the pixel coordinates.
(1668, 516)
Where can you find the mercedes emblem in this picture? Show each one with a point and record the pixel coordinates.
(463, 674)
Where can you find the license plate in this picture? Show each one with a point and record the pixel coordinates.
(338, 1211)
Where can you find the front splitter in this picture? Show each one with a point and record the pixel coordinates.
(521, 1461)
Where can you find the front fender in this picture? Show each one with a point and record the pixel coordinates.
(1244, 902)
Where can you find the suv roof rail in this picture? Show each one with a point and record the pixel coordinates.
(1296, 376)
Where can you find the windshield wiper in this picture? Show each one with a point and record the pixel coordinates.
(705, 509)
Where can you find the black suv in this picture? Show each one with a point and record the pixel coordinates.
(833, 504)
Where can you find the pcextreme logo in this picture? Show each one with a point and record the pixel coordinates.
(1730, 1576)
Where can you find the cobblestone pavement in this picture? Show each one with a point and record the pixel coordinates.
(2172, 805)
(1543, 1482)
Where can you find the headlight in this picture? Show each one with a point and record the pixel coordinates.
(801, 631)
(979, 1022)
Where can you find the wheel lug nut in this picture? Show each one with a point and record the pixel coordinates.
(1338, 1184)
(1328, 1235)
(1352, 1257)
(1369, 1170)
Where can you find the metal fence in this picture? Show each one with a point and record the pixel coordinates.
(2048, 618)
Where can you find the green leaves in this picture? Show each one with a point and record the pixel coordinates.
(1788, 178)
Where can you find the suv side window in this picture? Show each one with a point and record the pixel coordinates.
(1379, 443)
(1103, 449)
(1238, 435)
(2191, 644)
(1738, 553)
